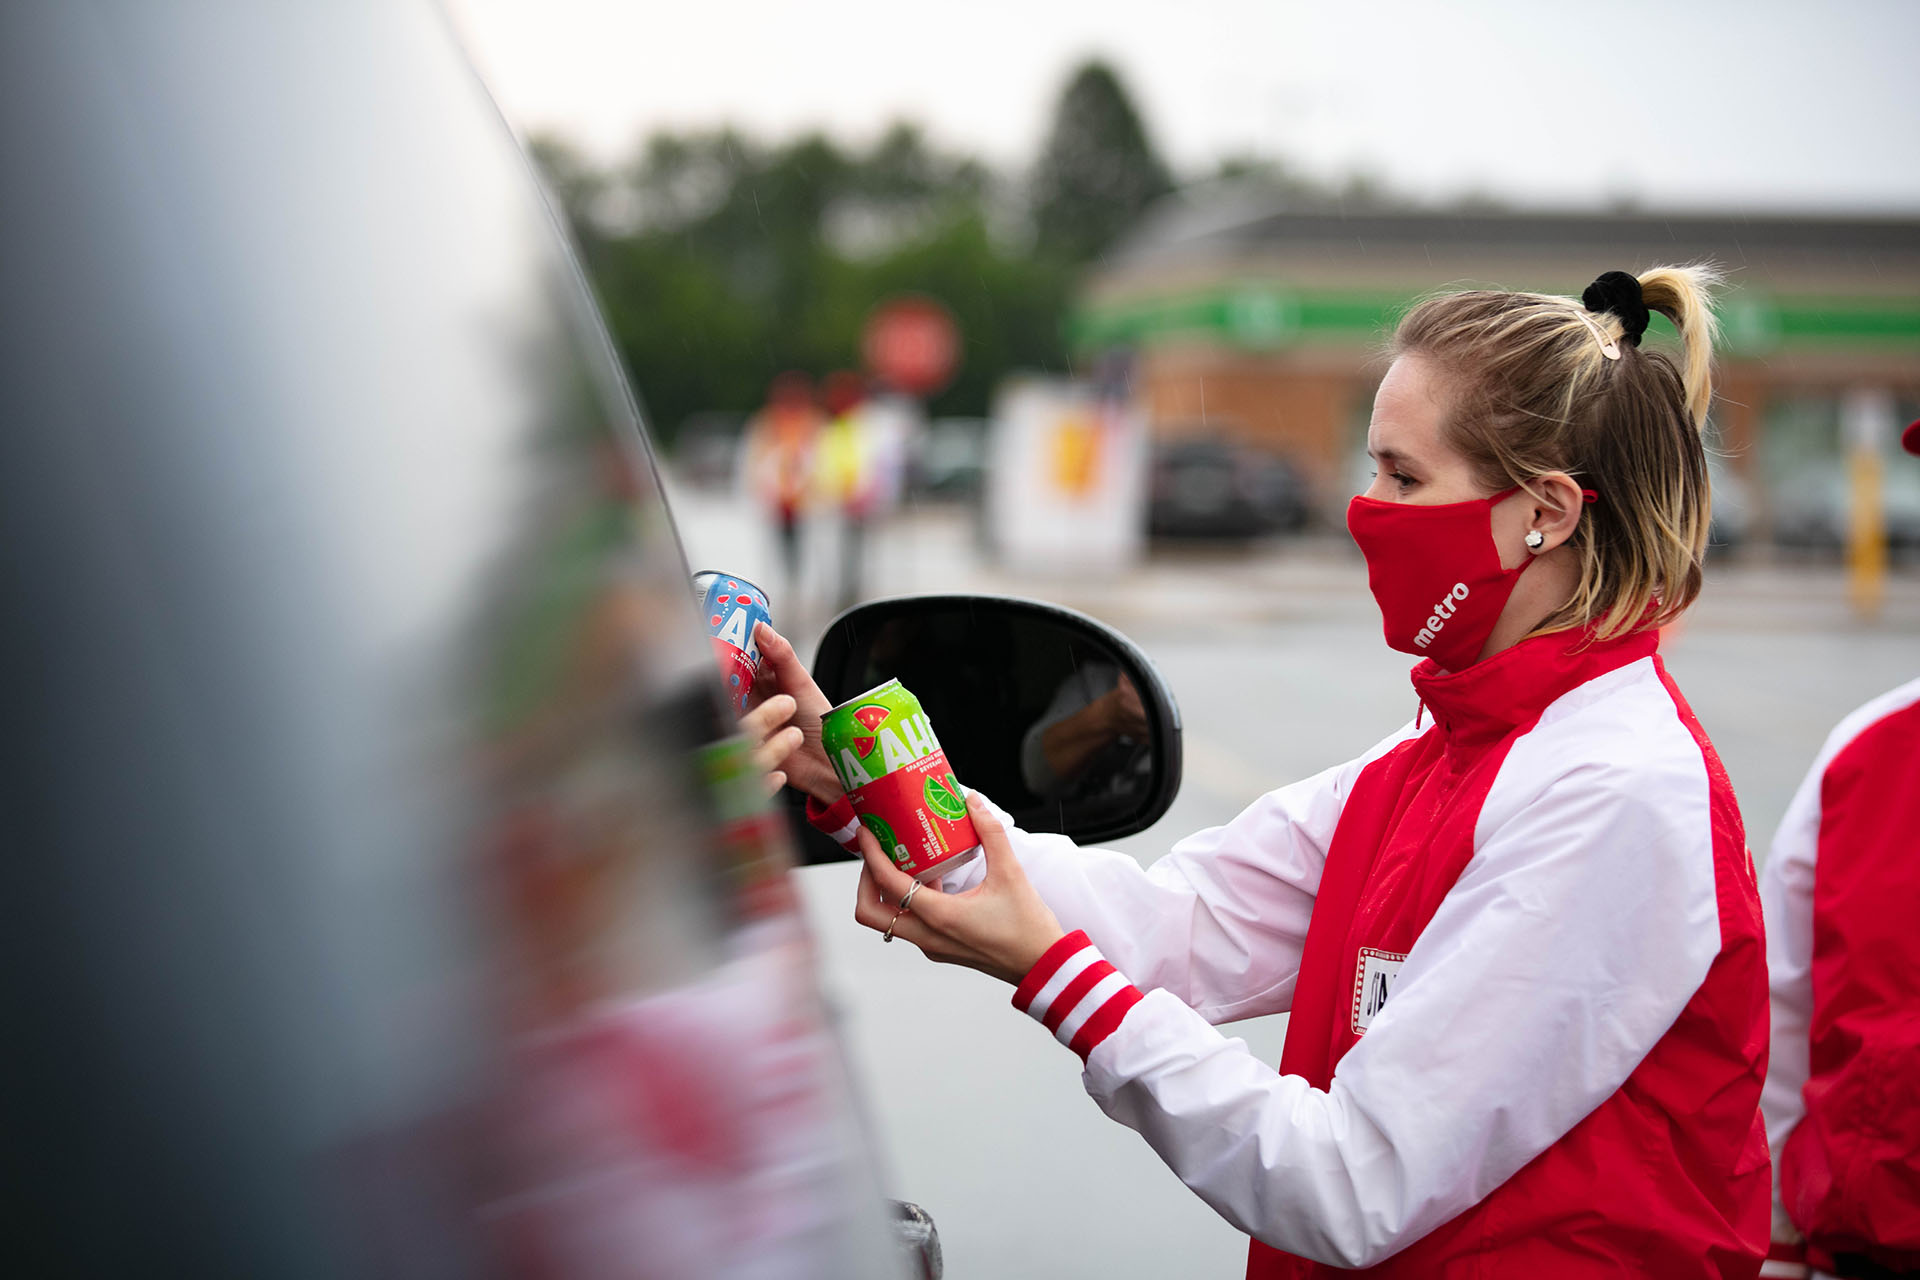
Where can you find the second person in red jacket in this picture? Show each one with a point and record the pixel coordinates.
(1841, 892)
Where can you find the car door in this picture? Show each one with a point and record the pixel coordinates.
(386, 894)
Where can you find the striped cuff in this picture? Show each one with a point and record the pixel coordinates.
(1786, 1261)
(836, 820)
(1073, 992)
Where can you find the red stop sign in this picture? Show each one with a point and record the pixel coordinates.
(911, 344)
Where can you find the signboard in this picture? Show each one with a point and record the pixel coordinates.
(1066, 478)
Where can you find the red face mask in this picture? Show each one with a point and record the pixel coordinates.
(1435, 573)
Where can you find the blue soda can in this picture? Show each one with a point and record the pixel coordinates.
(731, 606)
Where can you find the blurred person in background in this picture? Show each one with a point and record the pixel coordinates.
(778, 461)
(1520, 938)
(849, 473)
(1841, 891)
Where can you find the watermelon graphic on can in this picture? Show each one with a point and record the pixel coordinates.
(899, 782)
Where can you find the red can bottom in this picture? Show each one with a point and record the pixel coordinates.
(918, 813)
(953, 862)
(736, 668)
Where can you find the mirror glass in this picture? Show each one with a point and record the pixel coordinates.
(1060, 720)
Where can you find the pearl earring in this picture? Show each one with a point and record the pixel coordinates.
(1535, 539)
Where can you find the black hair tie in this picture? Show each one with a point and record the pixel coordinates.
(1618, 292)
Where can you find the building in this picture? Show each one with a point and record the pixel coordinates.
(1260, 319)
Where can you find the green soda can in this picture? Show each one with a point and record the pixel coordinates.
(899, 782)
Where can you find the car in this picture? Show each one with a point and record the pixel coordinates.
(1814, 513)
(391, 892)
(1732, 522)
(1212, 486)
(706, 452)
(950, 459)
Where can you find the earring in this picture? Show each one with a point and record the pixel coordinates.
(1535, 539)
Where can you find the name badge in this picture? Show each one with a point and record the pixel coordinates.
(1372, 984)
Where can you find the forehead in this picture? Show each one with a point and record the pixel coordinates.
(1407, 411)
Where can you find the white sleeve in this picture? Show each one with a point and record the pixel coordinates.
(1219, 922)
(1577, 934)
(1786, 903)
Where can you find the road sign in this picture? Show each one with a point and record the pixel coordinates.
(911, 344)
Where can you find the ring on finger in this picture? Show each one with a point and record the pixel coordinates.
(888, 935)
(906, 900)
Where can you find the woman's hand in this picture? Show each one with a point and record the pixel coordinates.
(773, 746)
(1000, 926)
(781, 673)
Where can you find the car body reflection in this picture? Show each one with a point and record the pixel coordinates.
(397, 902)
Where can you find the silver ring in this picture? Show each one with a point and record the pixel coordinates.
(888, 935)
(906, 901)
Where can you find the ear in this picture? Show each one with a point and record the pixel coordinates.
(1557, 501)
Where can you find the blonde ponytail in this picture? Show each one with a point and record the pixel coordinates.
(1684, 295)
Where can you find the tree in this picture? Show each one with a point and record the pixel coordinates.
(1098, 170)
(721, 260)
(574, 182)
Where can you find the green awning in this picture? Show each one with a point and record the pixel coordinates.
(1269, 317)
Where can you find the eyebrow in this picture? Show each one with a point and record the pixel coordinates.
(1391, 455)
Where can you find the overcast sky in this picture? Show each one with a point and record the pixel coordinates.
(1754, 104)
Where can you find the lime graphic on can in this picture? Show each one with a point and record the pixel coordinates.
(944, 798)
(884, 834)
(898, 780)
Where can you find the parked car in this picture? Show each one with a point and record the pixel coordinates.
(1815, 511)
(706, 452)
(1211, 487)
(388, 889)
(950, 459)
(1732, 524)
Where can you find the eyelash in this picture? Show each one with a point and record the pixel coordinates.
(1404, 481)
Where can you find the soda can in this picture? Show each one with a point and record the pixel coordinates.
(731, 606)
(882, 747)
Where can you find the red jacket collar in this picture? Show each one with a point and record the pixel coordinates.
(1490, 699)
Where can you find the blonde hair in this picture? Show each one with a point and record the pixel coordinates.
(1533, 389)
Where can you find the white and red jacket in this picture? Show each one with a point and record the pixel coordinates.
(1522, 951)
(1841, 892)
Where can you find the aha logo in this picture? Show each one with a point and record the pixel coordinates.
(900, 744)
(738, 632)
(1449, 604)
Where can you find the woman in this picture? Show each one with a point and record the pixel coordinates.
(1519, 938)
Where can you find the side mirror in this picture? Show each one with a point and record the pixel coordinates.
(918, 1240)
(1060, 719)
